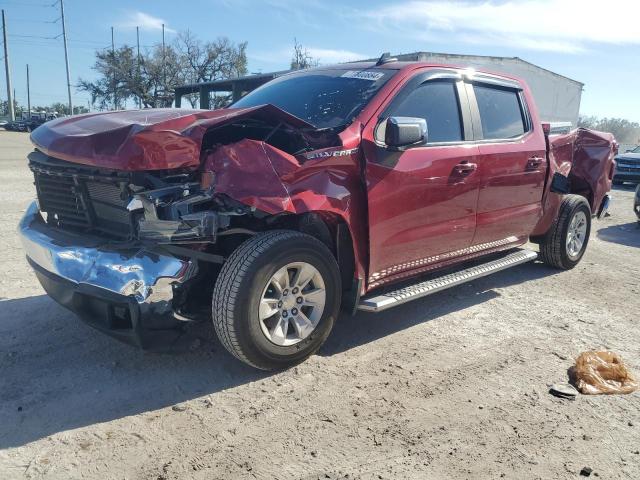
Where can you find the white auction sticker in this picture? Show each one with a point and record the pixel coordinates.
(373, 76)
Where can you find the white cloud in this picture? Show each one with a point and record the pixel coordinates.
(553, 25)
(327, 55)
(145, 22)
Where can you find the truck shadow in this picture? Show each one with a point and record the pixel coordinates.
(363, 328)
(59, 374)
(626, 234)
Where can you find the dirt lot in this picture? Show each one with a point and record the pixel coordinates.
(452, 386)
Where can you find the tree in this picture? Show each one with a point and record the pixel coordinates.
(210, 61)
(301, 57)
(63, 108)
(4, 106)
(624, 130)
(161, 70)
(113, 86)
(587, 121)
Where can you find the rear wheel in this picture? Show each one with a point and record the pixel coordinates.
(565, 243)
(276, 299)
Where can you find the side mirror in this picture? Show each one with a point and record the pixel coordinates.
(405, 131)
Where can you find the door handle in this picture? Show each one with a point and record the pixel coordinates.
(534, 162)
(465, 168)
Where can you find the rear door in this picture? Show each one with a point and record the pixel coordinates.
(511, 162)
(422, 199)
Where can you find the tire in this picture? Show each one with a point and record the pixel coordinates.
(247, 277)
(554, 248)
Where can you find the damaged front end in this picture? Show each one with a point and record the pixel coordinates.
(126, 291)
(135, 251)
(176, 214)
(129, 252)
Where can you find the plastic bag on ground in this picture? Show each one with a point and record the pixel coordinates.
(602, 373)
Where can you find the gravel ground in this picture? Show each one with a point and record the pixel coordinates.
(452, 386)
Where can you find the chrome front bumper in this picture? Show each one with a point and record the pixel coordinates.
(96, 280)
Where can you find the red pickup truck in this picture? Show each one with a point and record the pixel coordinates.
(364, 185)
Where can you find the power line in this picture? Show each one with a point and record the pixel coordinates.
(26, 4)
(39, 37)
(30, 20)
(17, 35)
(27, 43)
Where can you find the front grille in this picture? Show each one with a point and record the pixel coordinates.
(58, 196)
(75, 202)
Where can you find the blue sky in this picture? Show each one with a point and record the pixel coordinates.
(580, 39)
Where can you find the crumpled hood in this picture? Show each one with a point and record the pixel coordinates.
(153, 139)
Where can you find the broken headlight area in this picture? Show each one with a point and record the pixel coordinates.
(197, 227)
(181, 214)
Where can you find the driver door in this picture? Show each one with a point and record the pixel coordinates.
(422, 198)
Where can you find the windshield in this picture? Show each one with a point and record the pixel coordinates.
(636, 150)
(324, 98)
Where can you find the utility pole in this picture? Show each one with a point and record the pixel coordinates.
(113, 55)
(28, 96)
(164, 68)
(66, 55)
(138, 64)
(10, 105)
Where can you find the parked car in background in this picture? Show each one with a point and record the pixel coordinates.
(18, 126)
(333, 186)
(627, 167)
(29, 123)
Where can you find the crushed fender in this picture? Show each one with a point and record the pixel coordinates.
(259, 175)
(250, 172)
(586, 159)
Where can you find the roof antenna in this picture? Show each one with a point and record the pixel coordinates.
(385, 58)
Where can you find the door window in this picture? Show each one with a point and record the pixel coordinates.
(436, 102)
(500, 112)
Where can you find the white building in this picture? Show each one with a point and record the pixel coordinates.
(557, 96)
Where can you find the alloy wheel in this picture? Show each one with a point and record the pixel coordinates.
(576, 234)
(292, 303)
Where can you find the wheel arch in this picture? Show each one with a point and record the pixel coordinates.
(333, 231)
(551, 211)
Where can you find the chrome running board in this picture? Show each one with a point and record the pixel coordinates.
(397, 297)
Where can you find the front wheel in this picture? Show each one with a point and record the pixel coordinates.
(565, 243)
(276, 299)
